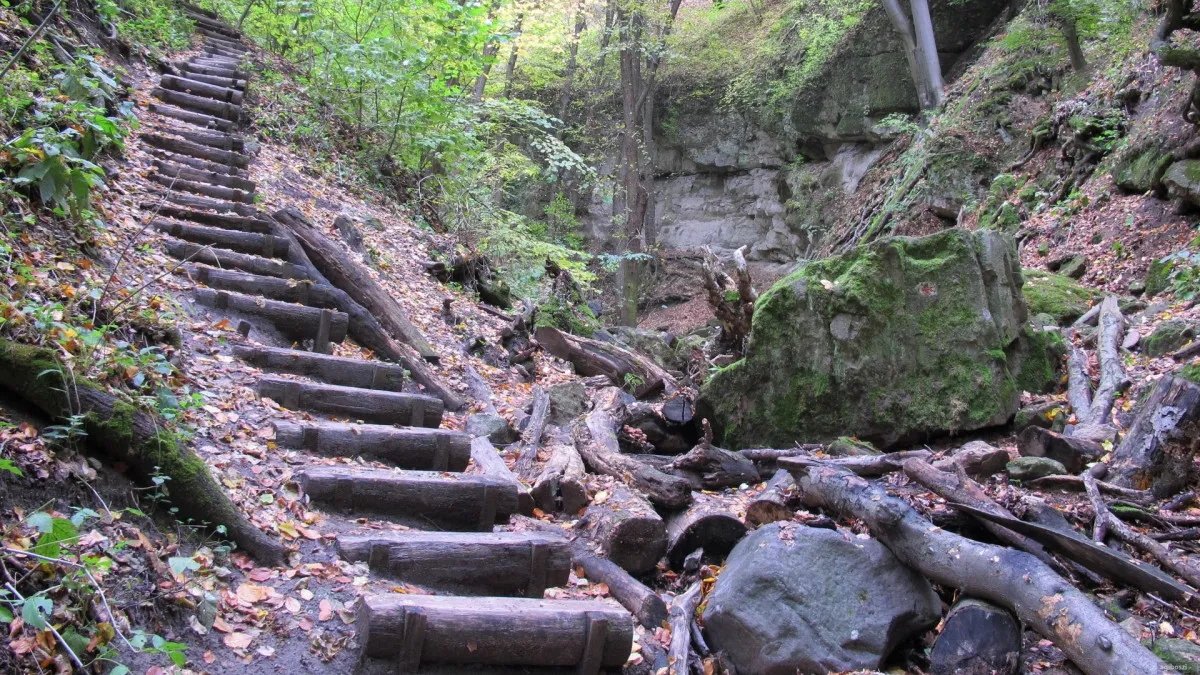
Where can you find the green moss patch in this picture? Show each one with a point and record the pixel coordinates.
(1061, 297)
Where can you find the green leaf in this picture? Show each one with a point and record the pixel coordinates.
(7, 465)
(35, 610)
(180, 564)
(6, 615)
(61, 530)
(119, 669)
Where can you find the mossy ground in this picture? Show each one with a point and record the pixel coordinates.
(1056, 295)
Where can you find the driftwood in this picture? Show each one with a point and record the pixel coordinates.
(866, 466)
(1101, 559)
(485, 563)
(731, 302)
(716, 468)
(451, 501)
(597, 443)
(629, 370)
(405, 447)
(775, 502)
(350, 276)
(1157, 450)
(489, 462)
(682, 616)
(410, 630)
(961, 489)
(626, 529)
(1106, 522)
(642, 602)
(132, 437)
(706, 524)
(560, 485)
(531, 440)
(1013, 579)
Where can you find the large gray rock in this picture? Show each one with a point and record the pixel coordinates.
(567, 401)
(494, 427)
(898, 339)
(798, 599)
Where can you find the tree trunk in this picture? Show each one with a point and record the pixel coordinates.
(1158, 450)
(927, 50)
(1046, 602)
(572, 64)
(908, 43)
(1071, 37)
(512, 56)
(354, 279)
(629, 370)
(597, 444)
(135, 438)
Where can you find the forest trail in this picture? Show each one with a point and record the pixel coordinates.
(240, 265)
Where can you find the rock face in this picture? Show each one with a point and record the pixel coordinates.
(978, 638)
(799, 599)
(901, 338)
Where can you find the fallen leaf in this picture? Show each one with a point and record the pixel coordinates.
(326, 611)
(238, 640)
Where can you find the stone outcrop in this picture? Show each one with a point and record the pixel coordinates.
(898, 339)
(799, 599)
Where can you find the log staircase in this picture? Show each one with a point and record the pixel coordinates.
(241, 264)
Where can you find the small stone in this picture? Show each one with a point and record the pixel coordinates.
(1030, 468)
(1074, 268)
(977, 637)
(493, 426)
(1137, 287)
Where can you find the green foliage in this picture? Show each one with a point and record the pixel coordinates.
(158, 25)
(1183, 273)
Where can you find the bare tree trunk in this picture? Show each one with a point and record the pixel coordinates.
(490, 49)
(1071, 37)
(908, 42)
(512, 56)
(927, 50)
(572, 65)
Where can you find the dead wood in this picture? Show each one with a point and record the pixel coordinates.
(642, 602)
(1012, 579)
(625, 528)
(1158, 449)
(775, 502)
(1075, 483)
(683, 615)
(489, 462)
(632, 371)
(707, 524)
(867, 466)
(597, 443)
(531, 440)
(732, 302)
(560, 485)
(717, 468)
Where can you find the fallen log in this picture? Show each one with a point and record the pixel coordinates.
(1157, 451)
(682, 616)
(717, 468)
(560, 485)
(368, 405)
(184, 147)
(531, 440)
(976, 458)
(186, 250)
(1105, 521)
(1100, 559)
(135, 438)
(252, 243)
(626, 529)
(405, 447)
(626, 369)
(299, 291)
(642, 602)
(410, 630)
(772, 455)
(488, 563)
(453, 501)
(350, 276)
(775, 501)
(958, 488)
(1075, 483)
(490, 463)
(339, 370)
(865, 466)
(706, 524)
(1013, 579)
(296, 322)
(191, 116)
(597, 443)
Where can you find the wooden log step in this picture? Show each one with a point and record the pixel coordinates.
(296, 322)
(213, 24)
(219, 80)
(405, 447)
(216, 50)
(185, 147)
(453, 501)
(206, 189)
(198, 104)
(303, 292)
(217, 60)
(486, 563)
(213, 139)
(409, 630)
(197, 10)
(215, 71)
(186, 250)
(222, 220)
(267, 245)
(196, 163)
(172, 170)
(214, 205)
(191, 117)
(233, 42)
(368, 405)
(198, 88)
(337, 370)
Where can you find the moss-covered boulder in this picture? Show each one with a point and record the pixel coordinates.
(1182, 180)
(1140, 166)
(1169, 336)
(1061, 297)
(900, 338)
(1158, 276)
